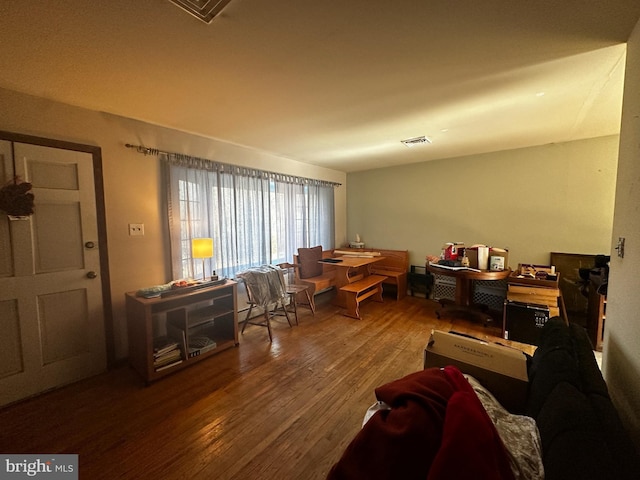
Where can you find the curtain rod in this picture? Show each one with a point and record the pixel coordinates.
(182, 156)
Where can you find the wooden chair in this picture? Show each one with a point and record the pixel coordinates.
(265, 287)
(293, 290)
(323, 278)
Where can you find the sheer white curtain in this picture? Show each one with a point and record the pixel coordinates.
(254, 217)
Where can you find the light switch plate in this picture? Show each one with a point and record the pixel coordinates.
(620, 247)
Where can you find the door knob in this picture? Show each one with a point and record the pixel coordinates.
(92, 274)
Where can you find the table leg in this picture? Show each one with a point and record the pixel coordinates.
(342, 279)
(345, 276)
(463, 303)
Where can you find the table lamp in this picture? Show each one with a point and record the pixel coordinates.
(202, 248)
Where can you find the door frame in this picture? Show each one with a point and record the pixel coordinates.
(96, 153)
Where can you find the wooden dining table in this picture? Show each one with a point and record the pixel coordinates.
(463, 300)
(350, 269)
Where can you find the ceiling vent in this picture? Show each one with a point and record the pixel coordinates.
(204, 10)
(412, 142)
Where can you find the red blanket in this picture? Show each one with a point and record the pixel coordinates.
(436, 429)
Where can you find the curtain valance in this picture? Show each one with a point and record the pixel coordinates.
(188, 161)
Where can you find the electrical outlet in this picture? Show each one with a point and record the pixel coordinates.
(136, 229)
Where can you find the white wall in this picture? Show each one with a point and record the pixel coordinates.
(133, 184)
(553, 198)
(621, 357)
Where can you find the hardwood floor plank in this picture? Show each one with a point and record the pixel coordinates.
(280, 410)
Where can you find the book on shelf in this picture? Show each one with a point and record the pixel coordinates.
(194, 352)
(168, 365)
(167, 357)
(163, 344)
(165, 351)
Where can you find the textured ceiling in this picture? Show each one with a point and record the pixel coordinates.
(335, 83)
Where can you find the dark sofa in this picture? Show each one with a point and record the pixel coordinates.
(581, 433)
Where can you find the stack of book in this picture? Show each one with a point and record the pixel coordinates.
(166, 354)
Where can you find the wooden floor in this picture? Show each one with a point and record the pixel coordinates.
(280, 410)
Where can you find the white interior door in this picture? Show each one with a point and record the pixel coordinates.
(51, 311)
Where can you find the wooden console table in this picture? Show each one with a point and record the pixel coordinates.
(463, 303)
(185, 319)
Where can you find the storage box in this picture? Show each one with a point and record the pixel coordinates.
(499, 252)
(523, 276)
(472, 255)
(523, 322)
(501, 369)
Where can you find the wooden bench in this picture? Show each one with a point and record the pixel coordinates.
(394, 266)
(356, 292)
(318, 283)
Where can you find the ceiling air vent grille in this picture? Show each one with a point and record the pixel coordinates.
(412, 142)
(204, 10)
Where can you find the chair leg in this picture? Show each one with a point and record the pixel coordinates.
(267, 323)
(312, 302)
(286, 312)
(280, 305)
(299, 299)
(292, 300)
(246, 320)
(267, 317)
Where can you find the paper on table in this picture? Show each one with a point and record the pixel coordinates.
(356, 254)
(447, 267)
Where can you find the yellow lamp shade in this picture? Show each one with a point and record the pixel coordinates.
(201, 247)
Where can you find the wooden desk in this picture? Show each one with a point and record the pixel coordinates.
(464, 288)
(349, 270)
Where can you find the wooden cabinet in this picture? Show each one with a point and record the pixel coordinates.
(537, 291)
(596, 317)
(568, 265)
(167, 334)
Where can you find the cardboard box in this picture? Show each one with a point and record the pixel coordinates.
(499, 252)
(501, 369)
(524, 275)
(472, 255)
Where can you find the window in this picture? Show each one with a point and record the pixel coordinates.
(254, 217)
